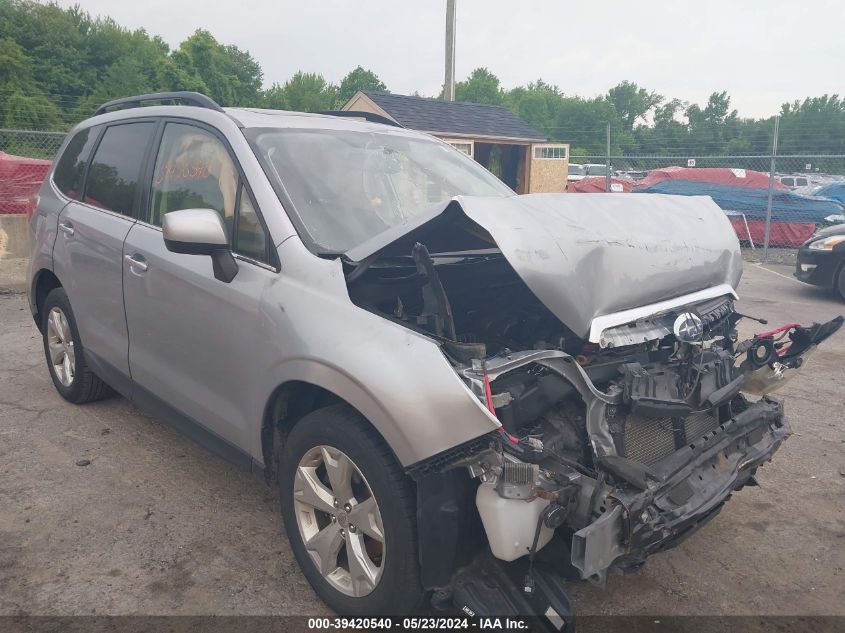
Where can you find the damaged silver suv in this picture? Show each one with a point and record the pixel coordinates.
(466, 396)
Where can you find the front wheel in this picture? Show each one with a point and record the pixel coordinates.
(349, 513)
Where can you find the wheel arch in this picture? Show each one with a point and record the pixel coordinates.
(293, 400)
(43, 282)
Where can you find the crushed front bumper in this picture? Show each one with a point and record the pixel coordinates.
(684, 491)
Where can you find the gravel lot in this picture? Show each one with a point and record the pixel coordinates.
(157, 525)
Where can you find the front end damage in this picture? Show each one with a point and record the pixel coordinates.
(625, 426)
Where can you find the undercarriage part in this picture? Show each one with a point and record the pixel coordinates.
(492, 588)
(595, 547)
(447, 525)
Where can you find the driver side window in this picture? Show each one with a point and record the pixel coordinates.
(193, 169)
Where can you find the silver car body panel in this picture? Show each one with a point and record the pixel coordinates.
(421, 408)
(89, 263)
(43, 226)
(587, 257)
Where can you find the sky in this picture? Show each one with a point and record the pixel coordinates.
(763, 52)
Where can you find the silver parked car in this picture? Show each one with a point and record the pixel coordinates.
(465, 396)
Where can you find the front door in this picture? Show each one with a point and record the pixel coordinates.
(194, 340)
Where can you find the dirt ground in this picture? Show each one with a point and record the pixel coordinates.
(154, 524)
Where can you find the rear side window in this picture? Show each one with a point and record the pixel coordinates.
(70, 170)
(116, 167)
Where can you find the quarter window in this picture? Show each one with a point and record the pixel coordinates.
(70, 169)
(116, 167)
(250, 238)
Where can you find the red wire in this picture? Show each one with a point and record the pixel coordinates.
(488, 396)
(782, 328)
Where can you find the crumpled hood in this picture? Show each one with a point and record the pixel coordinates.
(593, 255)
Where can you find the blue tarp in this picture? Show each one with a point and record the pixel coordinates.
(834, 190)
(787, 206)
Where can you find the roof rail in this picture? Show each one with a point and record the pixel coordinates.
(189, 98)
(372, 117)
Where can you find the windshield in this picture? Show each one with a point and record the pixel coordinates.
(597, 170)
(576, 170)
(348, 186)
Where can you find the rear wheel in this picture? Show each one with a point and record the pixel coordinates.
(63, 350)
(349, 513)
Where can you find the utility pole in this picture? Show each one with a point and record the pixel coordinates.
(771, 186)
(449, 84)
(607, 162)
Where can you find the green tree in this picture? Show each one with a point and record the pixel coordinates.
(15, 66)
(816, 124)
(583, 123)
(711, 128)
(231, 76)
(481, 86)
(632, 103)
(358, 79)
(537, 103)
(30, 112)
(304, 92)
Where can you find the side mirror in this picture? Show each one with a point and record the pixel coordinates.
(200, 232)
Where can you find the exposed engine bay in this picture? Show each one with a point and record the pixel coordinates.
(620, 441)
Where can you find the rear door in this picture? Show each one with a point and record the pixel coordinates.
(88, 254)
(195, 341)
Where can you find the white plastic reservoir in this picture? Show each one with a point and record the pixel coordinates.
(510, 523)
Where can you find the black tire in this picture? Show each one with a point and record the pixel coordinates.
(839, 282)
(85, 386)
(398, 591)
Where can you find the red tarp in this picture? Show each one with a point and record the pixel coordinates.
(20, 180)
(791, 234)
(598, 184)
(715, 175)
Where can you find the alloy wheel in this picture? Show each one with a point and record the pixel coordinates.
(60, 345)
(339, 521)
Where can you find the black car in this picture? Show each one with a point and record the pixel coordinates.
(821, 260)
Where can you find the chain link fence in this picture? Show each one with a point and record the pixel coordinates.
(772, 201)
(25, 158)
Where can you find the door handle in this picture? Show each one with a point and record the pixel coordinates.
(67, 228)
(136, 261)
